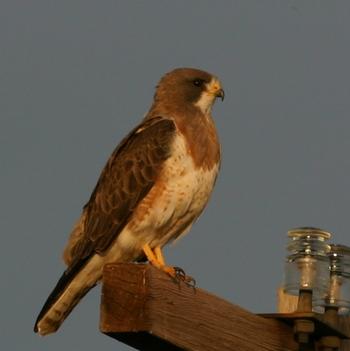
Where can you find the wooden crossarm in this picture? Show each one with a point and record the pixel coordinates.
(144, 308)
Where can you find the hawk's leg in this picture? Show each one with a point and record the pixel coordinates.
(156, 258)
(159, 255)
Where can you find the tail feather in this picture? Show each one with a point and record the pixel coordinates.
(71, 287)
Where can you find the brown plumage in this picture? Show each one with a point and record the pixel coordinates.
(153, 187)
(128, 176)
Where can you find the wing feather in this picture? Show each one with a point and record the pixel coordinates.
(128, 176)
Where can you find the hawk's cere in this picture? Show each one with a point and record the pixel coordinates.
(154, 186)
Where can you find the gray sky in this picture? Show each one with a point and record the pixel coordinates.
(76, 76)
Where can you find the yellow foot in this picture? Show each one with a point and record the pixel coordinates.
(156, 259)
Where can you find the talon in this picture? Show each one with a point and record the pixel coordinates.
(156, 259)
(191, 281)
(181, 275)
(179, 272)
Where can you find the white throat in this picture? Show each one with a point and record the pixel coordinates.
(205, 102)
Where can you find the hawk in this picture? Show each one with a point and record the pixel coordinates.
(154, 186)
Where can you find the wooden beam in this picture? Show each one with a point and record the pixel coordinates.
(344, 323)
(144, 308)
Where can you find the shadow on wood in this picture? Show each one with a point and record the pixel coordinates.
(144, 308)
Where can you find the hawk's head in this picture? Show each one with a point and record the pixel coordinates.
(189, 87)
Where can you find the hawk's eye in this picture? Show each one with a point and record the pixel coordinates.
(198, 82)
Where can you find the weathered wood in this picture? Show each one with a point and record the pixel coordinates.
(344, 324)
(146, 309)
(286, 303)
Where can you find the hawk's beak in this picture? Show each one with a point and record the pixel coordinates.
(214, 88)
(220, 94)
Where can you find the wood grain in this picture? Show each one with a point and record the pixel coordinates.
(344, 323)
(146, 309)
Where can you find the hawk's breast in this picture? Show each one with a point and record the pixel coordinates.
(177, 198)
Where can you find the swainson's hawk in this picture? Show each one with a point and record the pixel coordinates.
(154, 186)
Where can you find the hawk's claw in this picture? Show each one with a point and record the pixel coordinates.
(180, 275)
(179, 272)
